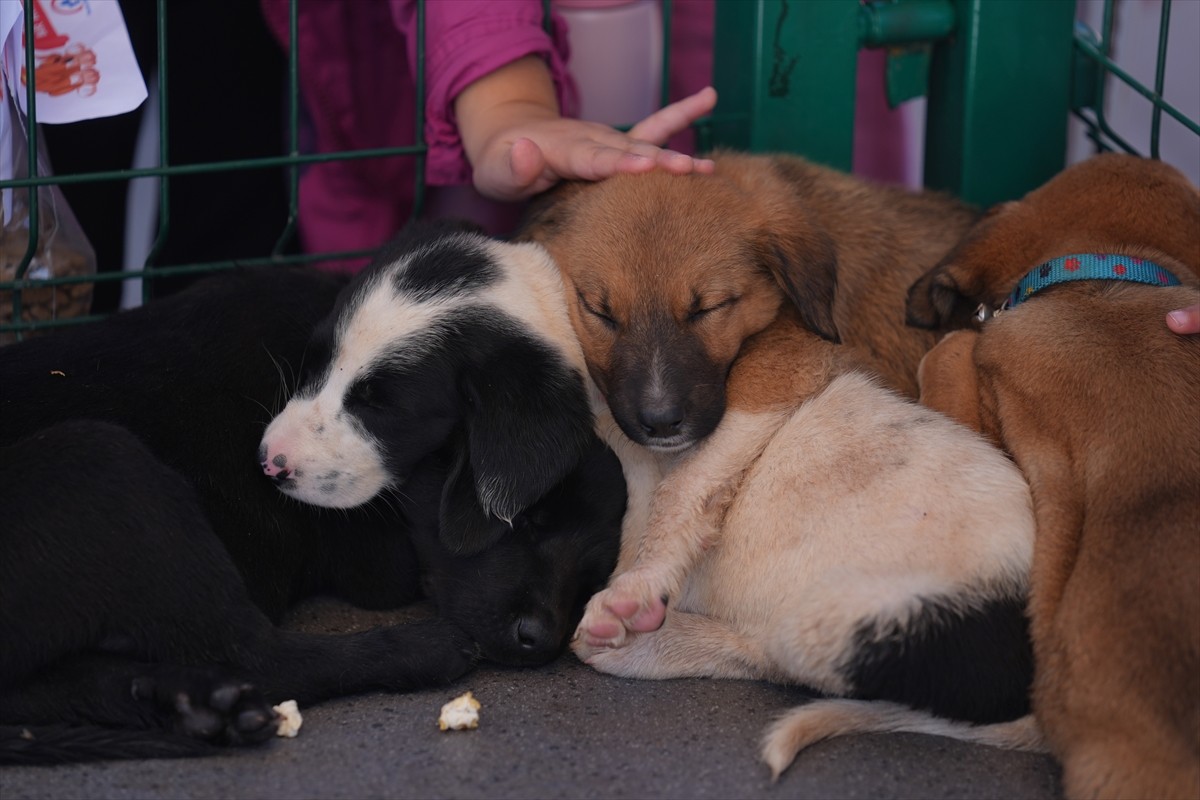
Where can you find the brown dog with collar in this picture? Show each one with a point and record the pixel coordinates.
(1099, 404)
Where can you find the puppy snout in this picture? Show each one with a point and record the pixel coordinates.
(661, 420)
(273, 466)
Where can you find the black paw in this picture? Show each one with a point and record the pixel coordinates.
(426, 653)
(462, 653)
(207, 704)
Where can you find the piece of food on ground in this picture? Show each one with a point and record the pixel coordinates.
(460, 714)
(289, 719)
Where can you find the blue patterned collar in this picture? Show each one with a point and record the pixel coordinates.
(1082, 267)
(1091, 267)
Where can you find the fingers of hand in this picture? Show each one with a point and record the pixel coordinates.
(516, 171)
(526, 163)
(1185, 320)
(548, 151)
(670, 120)
(630, 156)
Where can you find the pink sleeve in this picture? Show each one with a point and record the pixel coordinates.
(467, 39)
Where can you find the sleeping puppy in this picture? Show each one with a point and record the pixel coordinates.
(789, 517)
(134, 500)
(448, 334)
(1099, 403)
(457, 347)
(667, 279)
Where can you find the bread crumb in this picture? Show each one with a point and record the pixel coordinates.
(289, 719)
(460, 714)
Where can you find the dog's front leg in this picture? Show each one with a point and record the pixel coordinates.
(643, 470)
(685, 518)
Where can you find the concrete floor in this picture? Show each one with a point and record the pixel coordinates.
(563, 730)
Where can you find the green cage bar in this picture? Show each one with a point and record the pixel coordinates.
(999, 97)
(785, 74)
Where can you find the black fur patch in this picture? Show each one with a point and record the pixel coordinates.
(524, 408)
(447, 266)
(975, 666)
(436, 266)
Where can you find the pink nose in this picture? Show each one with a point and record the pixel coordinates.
(273, 466)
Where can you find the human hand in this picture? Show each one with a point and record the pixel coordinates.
(519, 145)
(535, 156)
(1185, 320)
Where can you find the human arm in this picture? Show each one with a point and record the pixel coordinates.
(518, 143)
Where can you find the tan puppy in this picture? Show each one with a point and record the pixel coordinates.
(668, 276)
(1099, 403)
(802, 523)
(683, 269)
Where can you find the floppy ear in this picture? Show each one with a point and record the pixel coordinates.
(528, 426)
(947, 296)
(804, 262)
(935, 300)
(465, 527)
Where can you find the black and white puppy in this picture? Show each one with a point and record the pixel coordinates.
(145, 560)
(451, 363)
(446, 336)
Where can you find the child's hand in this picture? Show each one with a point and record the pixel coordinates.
(1185, 320)
(519, 145)
(534, 156)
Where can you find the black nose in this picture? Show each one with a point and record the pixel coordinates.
(661, 421)
(534, 635)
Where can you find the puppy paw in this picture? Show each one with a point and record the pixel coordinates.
(207, 704)
(623, 661)
(598, 631)
(633, 603)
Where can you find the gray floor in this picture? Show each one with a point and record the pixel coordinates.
(560, 731)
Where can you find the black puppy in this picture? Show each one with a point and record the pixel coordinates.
(144, 558)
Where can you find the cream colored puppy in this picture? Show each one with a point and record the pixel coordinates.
(872, 548)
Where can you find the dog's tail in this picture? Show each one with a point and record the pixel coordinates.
(47, 745)
(824, 719)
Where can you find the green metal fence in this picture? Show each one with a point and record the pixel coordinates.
(785, 71)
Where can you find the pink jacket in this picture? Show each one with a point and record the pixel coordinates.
(357, 70)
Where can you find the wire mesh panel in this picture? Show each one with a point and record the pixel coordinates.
(1096, 74)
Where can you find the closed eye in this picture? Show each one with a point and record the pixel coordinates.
(603, 314)
(698, 311)
(367, 392)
